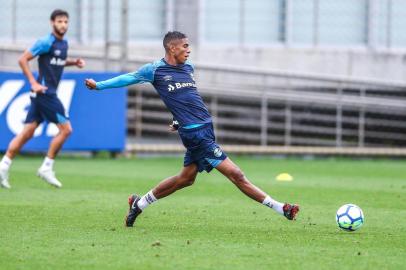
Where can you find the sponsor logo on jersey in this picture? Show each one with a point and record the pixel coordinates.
(57, 52)
(172, 88)
(57, 61)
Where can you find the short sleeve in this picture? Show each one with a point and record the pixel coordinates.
(41, 46)
(145, 73)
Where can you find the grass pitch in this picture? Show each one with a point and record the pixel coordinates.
(210, 225)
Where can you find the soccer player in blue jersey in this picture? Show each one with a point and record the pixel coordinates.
(172, 77)
(52, 52)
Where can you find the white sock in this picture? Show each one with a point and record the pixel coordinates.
(48, 164)
(146, 200)
(275, 205)
(5, 163)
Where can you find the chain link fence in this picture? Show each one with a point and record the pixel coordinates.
(309, 23)
(91, 21)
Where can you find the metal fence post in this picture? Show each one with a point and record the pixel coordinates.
(124, 34)
(79, 20)
(201, 27)
(241, 37)
(170, 16)
(315, 23)
(288, 23)
(14, 21)
(90, 21)
(106, 33)
(370, 19)
(389, 25)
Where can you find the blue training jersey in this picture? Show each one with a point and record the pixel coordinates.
(52, 54)
(176, 87)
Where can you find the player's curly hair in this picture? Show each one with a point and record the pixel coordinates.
(170, 36)
(58, 12)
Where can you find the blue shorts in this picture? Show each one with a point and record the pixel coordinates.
(201, 147)
(46, 107)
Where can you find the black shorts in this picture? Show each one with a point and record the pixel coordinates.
(201, 148)
(46, 107)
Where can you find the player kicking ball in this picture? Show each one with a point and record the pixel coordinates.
(52, 52)
(172, 77)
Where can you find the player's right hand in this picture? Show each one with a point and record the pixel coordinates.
(38, 88)
(90, 84)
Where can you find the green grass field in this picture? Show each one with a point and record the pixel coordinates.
(210, 225)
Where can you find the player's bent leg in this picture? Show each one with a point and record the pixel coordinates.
(13, 149)
(235, 175)
(65, 130)
(168, 186)
(18, 142)
(232, 172)
(184, 179)
(46, 171)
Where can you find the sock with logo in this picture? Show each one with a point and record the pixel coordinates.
(5, 163)
(275, 205)
(48, 164)
(146, 200)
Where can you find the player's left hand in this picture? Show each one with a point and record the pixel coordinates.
(90, 84)
(80, 63)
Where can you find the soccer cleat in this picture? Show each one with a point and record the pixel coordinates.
(49, 177)
(4, 179)
(290, 211)
(134, 210)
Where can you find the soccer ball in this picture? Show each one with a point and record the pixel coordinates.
(350, 217)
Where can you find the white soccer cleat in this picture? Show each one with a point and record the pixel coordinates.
(49, 177)
(4, 179)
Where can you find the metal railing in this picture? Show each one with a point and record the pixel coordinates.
(281, 108)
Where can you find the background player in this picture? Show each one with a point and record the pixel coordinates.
(52, 52)
(173, 79)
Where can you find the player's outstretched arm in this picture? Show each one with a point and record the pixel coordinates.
(142, 75)
(23, 62)
(116, 82)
